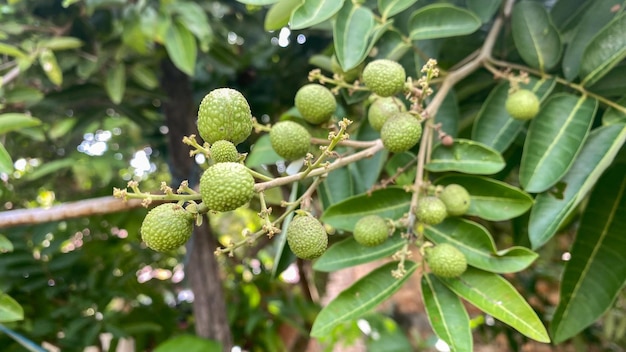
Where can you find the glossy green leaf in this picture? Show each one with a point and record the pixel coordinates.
(596, 273)
(337, 186)
(494, 127)
(442, 21)
(14, 121)
(495, 296)
(365, 172)
(491, 199)
(284, 256)
(279, 14)
(446, 314)
(10, 50)
(349, 253)
(115, 83)
(365, 294)
(61, 43)
(595, 17)
(391, 202)
(181, 47)
(6, 162)
(478, 246)
(612, 116)
(448, 114)
(262, 153)
(313, 12)
(10, 310)
(50, 168)
(552, 209)
(388, 8)
(258, 2)
(188, 343)
(554, 138)
(144, 76)
(352, 28)
(612, 84)
(23, 95)
(5, 244)
(564, 13)
(604, 51)
(196, 21)
(465, 156)
(401, 167)
(484, 9)
(536, 39)
(50, 66)
(391, 46)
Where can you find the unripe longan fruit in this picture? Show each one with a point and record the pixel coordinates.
(382, 109)
(522, 105)
(445, 260)
(290, 140)
(224, 114)
(371, 230)
(430, 210)
(456, 198)
(384, 77)
(226, 186)
(307, 237)
(401, 132)
(316, 103)
(224, 151)
(166, 227)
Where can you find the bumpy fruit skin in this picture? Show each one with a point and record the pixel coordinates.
(456, 198)
(430, 210)
(290, 140)
(445, 260)
(166, 227)
(401, 132)
(371, 230)
(224, 151)
(384, 77)
(382, 109)
(307, 237)
(522, 105)
(224, 114)
(316, 103)
(226, 186)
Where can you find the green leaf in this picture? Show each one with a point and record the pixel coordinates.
(279, 14)
(536, 39)
(181, 47)
(23, 95)
(365, 172)
(494, 127)
(495, 296)
(391, 46)
(10, 50)
(349, 253)
(551, 210)
(388, 8)
(446, 314)
(61, 43)
(554, 138)
(50, 66)
(257, 2)
(478, 246)
(363, 295)
(612, 84)
(399, 165)
(465, 156)
(596, 273)
(115, 83)
(262, 153)
(491, 199)
(484, 9)
(612, 116)
(596, 16)
(196, 21)
(189, 343)
(442, 21)
(605, 51)
(313, 12)
(5, 244)
(6, 162)
(352, 29)
(391, 202)
(14, 121)
(284, 256)
(144, 76)
(10, 310)
(337, 186)
(50, 168)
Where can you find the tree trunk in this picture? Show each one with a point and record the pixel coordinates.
(209, 306)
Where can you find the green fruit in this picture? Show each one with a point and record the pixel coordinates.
(226, 186)
(316, 103)
(224, 151)
(290, 140)
(224, 114)
(430, 210)
(384, 77)
(522, 105)
(445, 260)
(382, 109)
(348, 76)
(371, 230)
(307, 237)
(456, 198)
(166, 227)
(401, 132)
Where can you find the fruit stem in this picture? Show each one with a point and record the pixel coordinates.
(334, 138)
(345, 143)
(259, 175)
